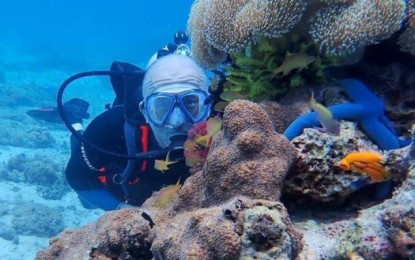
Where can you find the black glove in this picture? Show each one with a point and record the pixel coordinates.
(76, 110)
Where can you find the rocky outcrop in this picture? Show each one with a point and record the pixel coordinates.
(228, 210)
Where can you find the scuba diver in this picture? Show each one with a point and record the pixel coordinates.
(152, 112)
(179, 46)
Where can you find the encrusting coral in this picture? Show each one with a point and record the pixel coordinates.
(229, 210)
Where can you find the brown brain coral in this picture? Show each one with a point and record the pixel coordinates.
(250, 158)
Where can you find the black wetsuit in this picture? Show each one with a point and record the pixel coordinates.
(107, 131)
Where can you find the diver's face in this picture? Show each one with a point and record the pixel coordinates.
(163, 134)
(176, 124)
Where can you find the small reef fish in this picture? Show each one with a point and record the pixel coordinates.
(166, 194)
(220, 106)
(213, 126)
(369, 163)
(149, 219)
(163, 165)
(202, 140)
(230, 96)
(294, 61)
(325, 116)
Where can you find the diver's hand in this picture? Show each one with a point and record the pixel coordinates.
(124, 205)
(76, 110)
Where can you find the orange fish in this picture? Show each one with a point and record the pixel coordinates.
(163, 165)
(369, 163)
(167, 193)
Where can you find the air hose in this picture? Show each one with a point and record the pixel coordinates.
(138, 156)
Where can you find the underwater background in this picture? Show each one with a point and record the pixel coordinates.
(41, 44)
(314, 151)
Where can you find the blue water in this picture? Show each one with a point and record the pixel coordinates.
(91, 32)
(42, 43)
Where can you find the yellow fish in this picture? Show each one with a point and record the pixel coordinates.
(369, 163)
(230, 96)
(202, 140)
(213, 126)
(163, 165)
(325, 116)
(297, 61)
(220, 106)
(167, 193)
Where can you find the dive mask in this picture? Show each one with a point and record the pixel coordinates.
(194, 105)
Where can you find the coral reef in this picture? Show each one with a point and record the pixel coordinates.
(255, 75)
(335, 27)
(49, 222)
(283, 115)
(29, 219)
(37, 170)
(118, 234)
(228, 210)
(7, 232)
(407, 38)
(317, 174)
(213, 217)
(199, 139)
(248, 148)
(228, 26)
(236, 229)
(343, 29)
(400, 226)
(392, 80)
(378, 232)
(17, 134)
(40, 138)
(368, 109)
